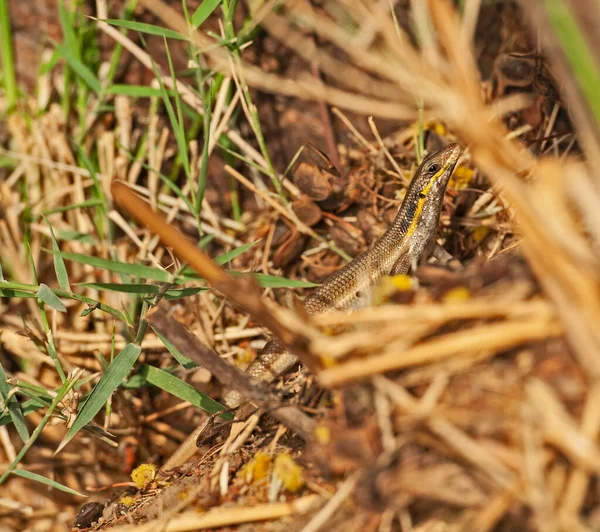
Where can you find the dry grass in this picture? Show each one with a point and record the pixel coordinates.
(471, 404)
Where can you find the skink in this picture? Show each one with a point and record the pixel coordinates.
(409, 239)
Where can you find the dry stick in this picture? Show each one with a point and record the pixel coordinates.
(228, 374)
(244, 291)
(490, 337)
(578, 483)
(218, 518)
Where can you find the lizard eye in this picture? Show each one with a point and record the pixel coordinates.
(433, 168)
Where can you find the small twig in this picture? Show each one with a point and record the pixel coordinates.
(386, 152)
(362, 140)
(325, 513)
(217, 518)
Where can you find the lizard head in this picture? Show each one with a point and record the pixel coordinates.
(424, 196)
(435, 171)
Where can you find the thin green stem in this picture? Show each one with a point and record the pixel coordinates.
(9, 77)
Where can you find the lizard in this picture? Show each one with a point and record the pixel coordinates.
(410, 239)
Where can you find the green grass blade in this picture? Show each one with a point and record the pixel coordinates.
(80, 68)
(46, 294)
(12, 285)
(26, 409)
(136, 91)
(186, 362)
(11, 292)
(230, 255)
(9, 77)
(67, 25)
(47, 481)
(59, 263)
(137, 270)
(273, 281)
(176, 122)
(125, 288)
(63, 390)
(221, 259)
(108, 383)
(82, 205)
(14, 407)
(69, 235)
(578, 54)
(144, 289)
(177, 293)
(149, 29)
(204, 11)
(183, 390)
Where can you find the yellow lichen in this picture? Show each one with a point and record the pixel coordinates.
(479, 233)
(461, 178)
(289, 472)
(388, 286)
(143, 475)
(401, 282)
(327, 361)
(460, 293)
(257, 468)
(436, 126)
(431, 125)
(127, 500)
(245, 357)
(323, 434)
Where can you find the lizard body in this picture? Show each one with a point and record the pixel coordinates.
(409, 239)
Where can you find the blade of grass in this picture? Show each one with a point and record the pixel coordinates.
(26, 408)
(46, 481)
(167, 182)
(14, 407)
(206, 126)
(144, 289)
(10, 292)
(577, 51)
(59, 263)
(204, 11)
(138, 270)
(182, 390)
(12, 289)
(176, 121)
(106, 386)
(79, 68)
(149, 29)
(273, 281)
(9, 78)
(46, 294)
(137, 91)
(73, 206)
(62, 391)
(230, 255)
(68, 235)
(186, 362)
